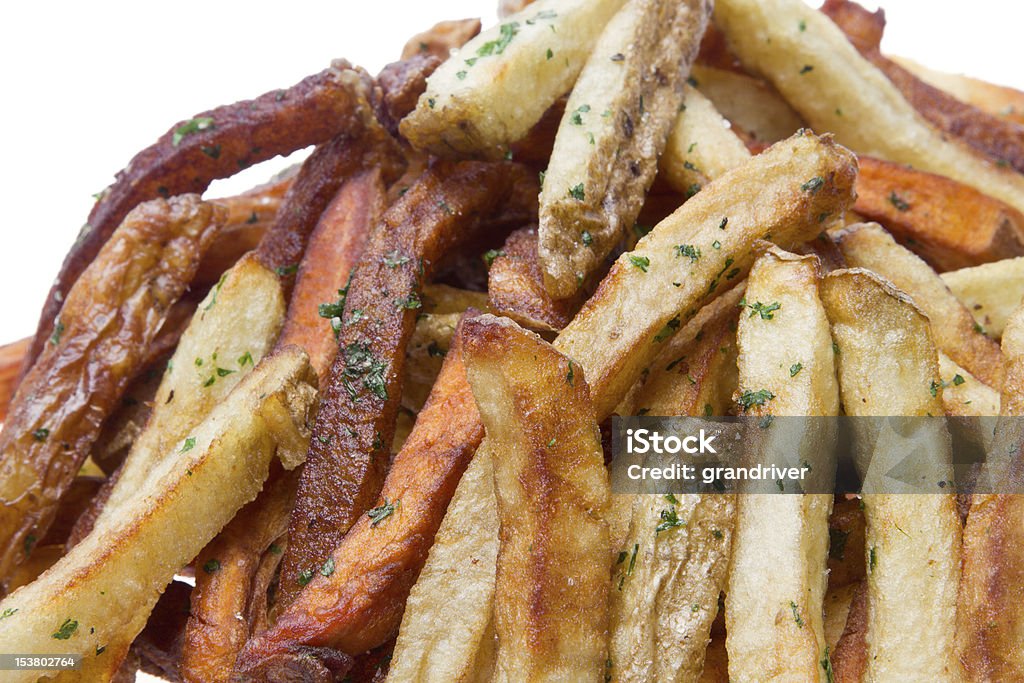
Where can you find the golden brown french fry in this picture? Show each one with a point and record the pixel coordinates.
(867, 245)
(614, 128)
(698, 251)
(777, 578)
(441, 38)
(888, 366)
(472, 106)
(812, 64)
(1000, 100)
(990, 621)
(749, 104)
(11, 357)
(552, 582)
(96, 599)
(849, 660)
(991, 292)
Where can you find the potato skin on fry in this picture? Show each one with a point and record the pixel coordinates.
(551, 591)
(98, 344)
(212, 144)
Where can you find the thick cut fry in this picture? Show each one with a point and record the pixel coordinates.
(11, 358)
(750, 105)
(990, 615)
(213, 144)
(1007, 103)
(700, 146)
(448, 635)
(551, 590)
(351, 446)
(1001, 140)
(515, 287)
(97, 344)
(849, 661)
(334, 248)
(846, 544)
(948, 224)
(357, 603)
(788, 192)
(614, 129)
(812, 64)
(474, 105)
(964, 394)
(441, 38)
(401, 84)
(888, 367)
(991, 292)
(777, 578)
(97, 598)
(867, 245)
(232, 329)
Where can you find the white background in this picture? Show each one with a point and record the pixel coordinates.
(86, 85)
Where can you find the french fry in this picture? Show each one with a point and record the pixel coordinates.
(1007, 103)
(615, 126)
(849, 660)
(846, 544)
(441, 38)
(749, 104)
(888, 366)
(777, 578)
(991, 292)
(97, 598)
(700, 146)
(963, 394)
(808, 180)
(11, 358)
(990, 621)
(867, 245)
(948, 224)
(812, 64)
(469, 108)
(551, 589)
(96, 346)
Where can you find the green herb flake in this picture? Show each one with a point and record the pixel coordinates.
(802, 25)
(191, 126)
(576, 192)
(492, 254)
(958, 380)
(41, 434)
(898, 201)
(328, 567)
(725, 222)
(550, 54)
(754, 398)
(189, 444)
(212, 565)
(586, 238)
(360, 363)
(766, 311)
(669, 520)
(245, 359)
(689, 251)
(813, 185)
(305, 576)
(28, 544)
(224, 372)
(795, 368)
(100, 649)
(796, 614)
(66, 629)
(393, 259)
(8, 612)
(58, 332)
(411, 302)
(382, 512)
(285, 271)
(495, 47)
(826, 664)
(461, 75)
(570, 376)
(872, 559)
(670, 327)
(641, 262)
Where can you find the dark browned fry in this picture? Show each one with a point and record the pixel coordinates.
(948, 224)
(846, 543)
(997, 137)
(11, 358)
(210, 145)
(515, 286)
(849, 661)
(358, 605)
(159, 646)
(400, 85)
(441, 38)
(97, 345)
(350, 448)
(334, 248)
(226, 569)
(74, 502)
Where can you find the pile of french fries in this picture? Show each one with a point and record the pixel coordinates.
(348, 425)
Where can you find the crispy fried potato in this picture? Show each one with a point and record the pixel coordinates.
(444, 299)
(515, 286)
(846, 544)
(97, 344)
(212, 144)
(472, 104)
(777, 579)
(888, 366)
(232, 329)
(964, 394)
(990, 618)
(355, 601)
(991, 292)
(695, 374)
(615, 127)
(700, 145)
(11, 358)
(448, 634)
(441, 38)
(665, 585)
(849, 660)
(334, 248)
(1007, 103)
(351, 448)
(948, 224)
(867, 245)
(749, 104)
(794, 188)
(428, 347)
(551, 590)
(811, 63)
(837, 609)
(1000, 139)
(98, 597)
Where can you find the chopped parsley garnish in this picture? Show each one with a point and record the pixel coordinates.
(492, 254)
(410, 302)
(688, 250)
(669, 520)
(58, 332)
(334, 310)
(66, 629)
(216, 291)
(382, 512)
(641, 262)
(224, 372)
(569, 376)
(285, 271)
(958, 380)
(305, 576)
(460, 75)
(725, 222)
(360, 363)
(8, 612)
(766, 311)
(898, 201)
(41, 434)
(211, 566)
(795, 368)
(189, 444)
(632, 559)
(796, 614)
(576, 192)
(393, 259)
(670, 327)
(813, 185)
(802, 25)
(586, 238)
(245, 358)
(872, 559)
(505, 35)
(826, 664)
(550, 54)
(692, 190)
(328, 567)
(189, 127)
(754, 398)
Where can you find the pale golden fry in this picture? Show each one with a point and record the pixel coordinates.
(789, 192)
(614, 128)
(867, 245)
(777, 578)
(812, 64)
(991, 292)
(96, 599)
(475, 104)
(551, 589)
(446, 634)
(752, 106)
(963, 394)
(888, 366)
